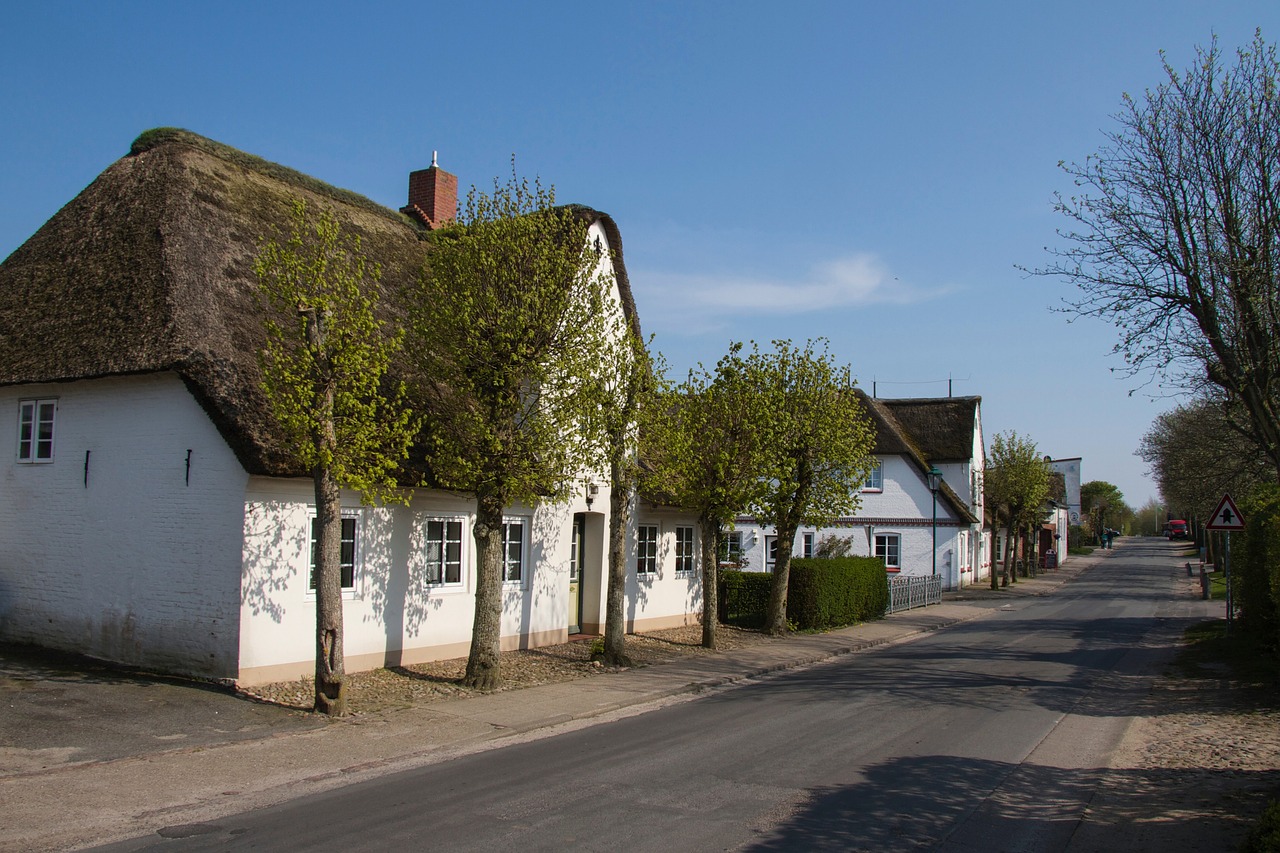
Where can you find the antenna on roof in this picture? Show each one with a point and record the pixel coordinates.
(434, 164)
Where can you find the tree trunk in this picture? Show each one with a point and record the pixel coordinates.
(615, 622)
(995, 564)
(776, 621)
(710, 573)
(331, 681)
(483, 671)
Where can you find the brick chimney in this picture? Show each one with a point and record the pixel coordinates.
(433, 195)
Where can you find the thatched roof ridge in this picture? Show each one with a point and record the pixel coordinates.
(150, 269)
(158, 136)
(942, 426)
(894, 438)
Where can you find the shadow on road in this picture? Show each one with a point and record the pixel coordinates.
(947, 803)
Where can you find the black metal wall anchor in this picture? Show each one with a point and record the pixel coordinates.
(188, 466)
(86, 468)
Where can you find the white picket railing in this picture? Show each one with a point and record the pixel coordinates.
(906, 593)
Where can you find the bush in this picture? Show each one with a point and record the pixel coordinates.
(823, 593)
(830, 593)
(1254, 571)
(1265, 835)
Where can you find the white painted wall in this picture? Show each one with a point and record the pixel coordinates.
(393, 616)
(138, 565)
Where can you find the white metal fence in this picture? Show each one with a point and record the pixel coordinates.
(906, 593)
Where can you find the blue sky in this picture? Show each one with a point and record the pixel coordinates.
(867, 172)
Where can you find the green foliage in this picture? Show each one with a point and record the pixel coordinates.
(1256, 572)
(744, 598)
(1104, 504)
(831, 593)
(327, 355)
(514, 323)
(1016, 481)
(704, 440)
(824, 594)
(817, 439)
(1264, 837)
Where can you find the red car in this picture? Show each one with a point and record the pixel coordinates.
(1176, 529)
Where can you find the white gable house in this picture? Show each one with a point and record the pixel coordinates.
(149, 514)
(900, 518)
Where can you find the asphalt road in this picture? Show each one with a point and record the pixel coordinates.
(989, 735)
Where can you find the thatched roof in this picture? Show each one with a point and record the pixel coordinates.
(941, 426)
(895, 436)
(150, 269)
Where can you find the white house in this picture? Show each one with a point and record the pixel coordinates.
(895, 519)
(150, 515)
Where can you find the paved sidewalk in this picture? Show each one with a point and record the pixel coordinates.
(71, 805)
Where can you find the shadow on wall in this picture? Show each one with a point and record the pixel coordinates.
(394, 562)
(271, 557)
(546, 583)
(973, 804)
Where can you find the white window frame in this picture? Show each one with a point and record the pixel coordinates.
(875, 477)
(521, 564)
(441, 561)
(30, 416)
(734, 542)
(354, 516)
(808, 541)
(647, 538)
(882, 550)
(770, 553)
(686, 550)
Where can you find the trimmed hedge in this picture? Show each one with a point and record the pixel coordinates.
(823, 593)
(829, 593)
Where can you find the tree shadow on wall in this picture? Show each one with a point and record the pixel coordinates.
(272, 555)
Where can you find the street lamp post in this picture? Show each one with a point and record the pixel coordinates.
(935, 480)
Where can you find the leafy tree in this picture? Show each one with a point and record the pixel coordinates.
(324, 374)
(1015, 485)
(815, 450)
(1196, 457)
(512, 322)
(703, 444)
(1104, 504)
(1175, 234)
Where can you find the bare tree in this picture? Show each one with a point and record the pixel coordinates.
(1175, 234)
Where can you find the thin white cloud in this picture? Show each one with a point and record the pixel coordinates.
(859, 279)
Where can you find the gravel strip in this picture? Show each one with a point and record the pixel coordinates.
(403, 686)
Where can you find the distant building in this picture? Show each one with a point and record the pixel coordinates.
(1070, 470)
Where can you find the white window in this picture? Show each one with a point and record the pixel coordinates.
(888, 548)
(347, 562)
(684, 550)
(647, 549)
(444, 551)
(731, 546)
(770, 552)
(962, 546)
(806, 548)
(513, 548)
(35, 430)
(875, 479)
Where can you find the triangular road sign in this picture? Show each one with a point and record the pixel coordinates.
(1226, 516)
